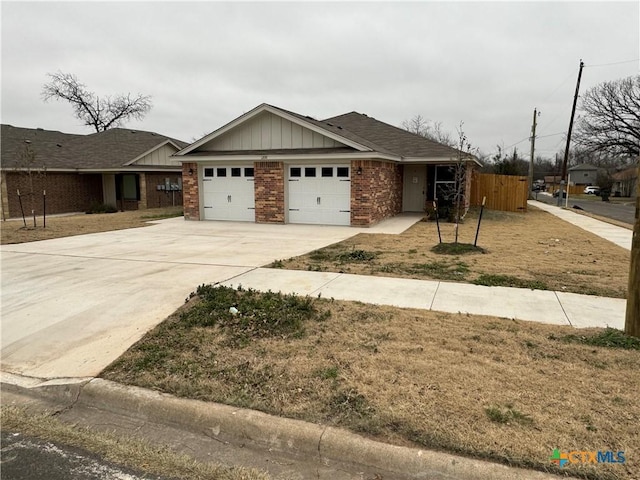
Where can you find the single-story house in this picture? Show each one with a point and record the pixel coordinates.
(584, 174)
(626, 182)
(271, 165)
(129, 169)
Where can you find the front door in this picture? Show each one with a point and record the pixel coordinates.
(414, 188)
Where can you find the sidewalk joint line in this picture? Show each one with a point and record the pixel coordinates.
(326, 283)
(562, 307)
(130, 259)
(235, 276)
(434, 296)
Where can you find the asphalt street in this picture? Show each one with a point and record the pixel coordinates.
(622, 212)
(28, 458)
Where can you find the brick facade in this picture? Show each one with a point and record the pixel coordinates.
(190, 198)
(269, 192)
(66, 192)
(376, 193)
(159, 198)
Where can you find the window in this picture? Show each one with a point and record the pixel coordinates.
(445, 173)
(327, 171)
(221, 172)
(342, 172)
(295, 172)
(236, 172)
(130, 187)
(208, 172)
(309, 171)
(248, 172)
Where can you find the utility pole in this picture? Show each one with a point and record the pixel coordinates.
(566, 150)
(533, 148)
(632, 322)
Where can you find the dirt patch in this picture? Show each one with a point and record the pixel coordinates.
(535, 249)
(14, 231)
(505, 390)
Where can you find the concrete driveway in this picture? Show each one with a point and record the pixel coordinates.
(71, 306)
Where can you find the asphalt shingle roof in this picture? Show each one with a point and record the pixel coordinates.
(379, 136)
(390, 138)
(110, 149)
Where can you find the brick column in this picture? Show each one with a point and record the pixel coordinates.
(190, 193)
(142, 181)
(376, 193)
(269, 192)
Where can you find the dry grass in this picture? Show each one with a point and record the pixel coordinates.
(536, 249)
(128, 452)
(486, 387)
(14, 231)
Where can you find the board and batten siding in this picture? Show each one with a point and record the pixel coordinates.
(268, 131)
(160, 156)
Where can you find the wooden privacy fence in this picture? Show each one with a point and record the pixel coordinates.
(508, 193)
(573, 189)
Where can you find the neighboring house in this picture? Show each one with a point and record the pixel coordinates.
(275, 166)
(130, 169)
(583, 174)
(626, 182)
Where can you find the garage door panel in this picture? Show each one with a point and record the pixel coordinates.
(228, 193)
(319, 194)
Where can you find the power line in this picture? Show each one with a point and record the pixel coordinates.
(614, 63)
(559, 86)
(551, 135)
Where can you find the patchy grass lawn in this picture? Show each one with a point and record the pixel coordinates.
(14, 231)
(129, 452)
(505, 390)
(532, 250)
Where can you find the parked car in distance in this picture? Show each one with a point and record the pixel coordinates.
(592, 190)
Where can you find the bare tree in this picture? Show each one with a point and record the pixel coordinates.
(453, 193)
(611, 120)
(100, 113)
(29, 172)
(428, 129)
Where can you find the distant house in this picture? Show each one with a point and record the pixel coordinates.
(583, 174)
(272, 165)
(626, 182)
(130, 169)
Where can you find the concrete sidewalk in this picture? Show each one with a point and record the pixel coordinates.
(556, 308)
(618, 235)
(545, 306)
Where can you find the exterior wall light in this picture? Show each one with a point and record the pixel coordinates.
(359, 171)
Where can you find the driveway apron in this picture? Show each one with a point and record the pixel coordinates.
(71, 306)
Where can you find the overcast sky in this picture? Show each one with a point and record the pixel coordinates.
(206, 63)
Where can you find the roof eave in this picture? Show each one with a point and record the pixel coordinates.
(438, 160)
(290, 157)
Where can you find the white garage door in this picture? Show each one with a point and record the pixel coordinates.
(320, 194)
(227, 193)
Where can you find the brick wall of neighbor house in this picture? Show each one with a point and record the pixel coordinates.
(66, 192)
(376, 193)
(269, 192)
(160, 198)
(190, 198)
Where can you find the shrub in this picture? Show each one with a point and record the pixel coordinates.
(101, 208)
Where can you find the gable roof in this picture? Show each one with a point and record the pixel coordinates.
(356, 130)
(114, 148)
(626, 174)
(584, 166)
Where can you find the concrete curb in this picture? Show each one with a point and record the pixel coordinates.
(242, 426)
